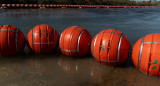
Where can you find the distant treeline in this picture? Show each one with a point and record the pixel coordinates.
(78, 2)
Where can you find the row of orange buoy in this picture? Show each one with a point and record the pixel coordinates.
(109, 46)
(67, 6)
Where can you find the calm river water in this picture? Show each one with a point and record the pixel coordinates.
(60, 70)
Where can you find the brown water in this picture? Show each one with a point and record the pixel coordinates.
(60, 70)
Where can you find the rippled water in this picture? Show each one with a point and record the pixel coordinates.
(59, 70)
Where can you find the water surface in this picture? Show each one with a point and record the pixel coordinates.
(60, 70)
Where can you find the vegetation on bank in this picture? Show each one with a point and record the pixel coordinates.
(79, 2)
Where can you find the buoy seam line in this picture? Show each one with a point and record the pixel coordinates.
(79, 41)
(16, 39)
(110, 32)
(151, 43)
(7, 30)
(54, 37)
(99, 56)
(44, 43)
(8, 36)
(70, 41)
(33, 38)
(104, 60)
(140, 53)
(119, 45)
(110, 42)
(40, 38)
(63, 39)
(94, 45)
(69, 50)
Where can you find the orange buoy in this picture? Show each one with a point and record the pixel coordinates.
(43, 5)
(3, 5)
(39, 5)
(110, 47)
(42, 39)
(75, 41)
(26, 5)
(12, 40)
(47, 5)
(35, 5)
(146, 54)
(17, 5)
(13, 5)
(54, 5)
(30, 5)
(22, 5)
(8, 5)
(51, 5)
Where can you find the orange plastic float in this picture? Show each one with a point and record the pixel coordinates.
(30, 5)
(39, 5)
(47, 5)
(13, 5)
(17, 5)
(22, 5)
(75, 41)
(42, 39)
(12, 40)
(26, 5)
(110, 47)
(146, 54)
(8, 5)
(35, 5)
(51, 5)
(43, 5)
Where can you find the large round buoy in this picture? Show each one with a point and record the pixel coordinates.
(22, 5)
(17, 5)
(146, 54)
(8, 5)
(13, 5)
(30, 5)
(35, 5)
(3, 5)
(12, 40)
(42, 39)
(110, 47)
(75, 41)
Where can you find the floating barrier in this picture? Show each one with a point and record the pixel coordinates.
(110, 47)
(13, 5)
(43, 5)
(69, 6)
(9, 5)
(26, 5)
(42, 39)
(31, 5)
(35, 5)
(47, 5)
(75, 41)
(18, 5)
(12, 40)
(39, 5)
(146, 54)
(22, 5)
